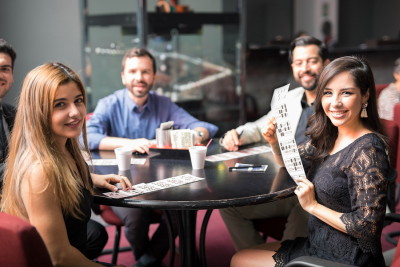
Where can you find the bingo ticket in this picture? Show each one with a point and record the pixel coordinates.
(285, 134)
(144, 188)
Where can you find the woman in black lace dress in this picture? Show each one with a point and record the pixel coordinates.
(347, 179)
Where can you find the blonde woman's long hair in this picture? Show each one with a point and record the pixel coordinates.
(32, 142)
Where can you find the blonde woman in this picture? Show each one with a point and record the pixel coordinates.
(47, 181)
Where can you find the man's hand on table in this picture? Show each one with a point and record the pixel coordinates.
(231, 141)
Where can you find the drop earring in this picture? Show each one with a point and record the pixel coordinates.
(364, 111)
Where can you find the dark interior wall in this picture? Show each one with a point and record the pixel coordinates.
(387, 18)
(267, 19)
(355, 23)
(359, 20)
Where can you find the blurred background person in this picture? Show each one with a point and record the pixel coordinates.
(7, 111)
(390, 96)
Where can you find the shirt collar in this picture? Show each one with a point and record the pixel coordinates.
(304, 103)
(132, 105)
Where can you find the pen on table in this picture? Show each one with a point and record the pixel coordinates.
(244, 168)
(240, 134)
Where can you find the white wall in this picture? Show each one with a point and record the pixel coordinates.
(41, 31)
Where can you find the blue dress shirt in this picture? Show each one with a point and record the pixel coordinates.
(117, 115)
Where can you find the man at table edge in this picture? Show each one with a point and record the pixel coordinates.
(307, 56)
(130, 116)
(7, 61)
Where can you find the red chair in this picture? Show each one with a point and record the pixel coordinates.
(379, 87)
(20, 244)
(396, 257)
(396, 119)
(88, 115)
(108, 215)
(392, 131)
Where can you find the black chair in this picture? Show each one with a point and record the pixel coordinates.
(307, 261)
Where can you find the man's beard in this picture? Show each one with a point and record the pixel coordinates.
(312, 87)
(143, 93)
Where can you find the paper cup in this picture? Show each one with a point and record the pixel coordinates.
(123, 156)
(198, 156)
(163, 138)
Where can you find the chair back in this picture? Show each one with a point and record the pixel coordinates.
(392, 131)
(108, 215)
(379, 87)
(20, 244)
(396, 119)
(396, 257)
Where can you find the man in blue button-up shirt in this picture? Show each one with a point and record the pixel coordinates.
(130, 117)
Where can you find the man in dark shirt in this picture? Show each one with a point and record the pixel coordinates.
(307, 110)
(7, 112)
(308, 57)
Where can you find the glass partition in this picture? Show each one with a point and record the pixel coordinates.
(197, 55)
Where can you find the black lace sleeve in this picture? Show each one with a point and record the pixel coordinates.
(367, 179)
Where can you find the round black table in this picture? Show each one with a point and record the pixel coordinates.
(219, 189)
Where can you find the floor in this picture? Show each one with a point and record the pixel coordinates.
(219, 248)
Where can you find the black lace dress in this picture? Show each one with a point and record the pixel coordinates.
(353, 181)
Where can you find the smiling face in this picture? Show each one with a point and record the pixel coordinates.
(68, 112)
(138, 76)
(6, 74)
(307, 65)
(342, 101)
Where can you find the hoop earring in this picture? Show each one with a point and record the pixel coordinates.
(364, 111)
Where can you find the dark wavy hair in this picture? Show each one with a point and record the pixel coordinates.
(321, 130)
(7, 49)
(308, 40)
